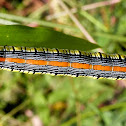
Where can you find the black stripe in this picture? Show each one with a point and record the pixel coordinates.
(35, 50)
(57, 51)
(13, 50)
(100, 56)
(120, 58)
(80, 54)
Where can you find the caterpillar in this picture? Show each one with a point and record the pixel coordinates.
(62, 62)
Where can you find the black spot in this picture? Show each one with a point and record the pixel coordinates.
(125, 60)
(86, 74)
(66, 52)
(33, 71)
(13, 50)
(4, 48)
(21, 49)
(83, 74)
(51, 72)
(47, 50)
(56, 74)
(57, 51)
(25, 49)
(35, 50)
(77, 74)
(110, 60)
(120, 57)
(100, 55)
(43, 50)
(98, 76)
(117, 77)
(12, 69)
(80, 54)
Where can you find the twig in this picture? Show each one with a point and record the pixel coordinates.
(85, 7)
(75, 20)
(100, 4)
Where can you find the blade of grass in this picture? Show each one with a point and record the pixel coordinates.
(6, 22)
(17, 35)
(39, 22)
(94, 21)
(110, 36)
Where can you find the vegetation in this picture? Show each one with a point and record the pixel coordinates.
(65, 101)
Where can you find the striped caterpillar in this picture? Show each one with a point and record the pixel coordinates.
(62, 62)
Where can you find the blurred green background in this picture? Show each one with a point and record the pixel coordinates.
(45, 100)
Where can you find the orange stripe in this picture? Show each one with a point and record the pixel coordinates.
(56, 63)
(116, 68)
(120, 69)
(81, 65)
(36, 62)
(2, 59)
(100, 67)
(16, 60)
(65, 64)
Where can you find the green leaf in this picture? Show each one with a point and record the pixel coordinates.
(17, 35)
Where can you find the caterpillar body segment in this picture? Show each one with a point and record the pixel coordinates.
(62, 62)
